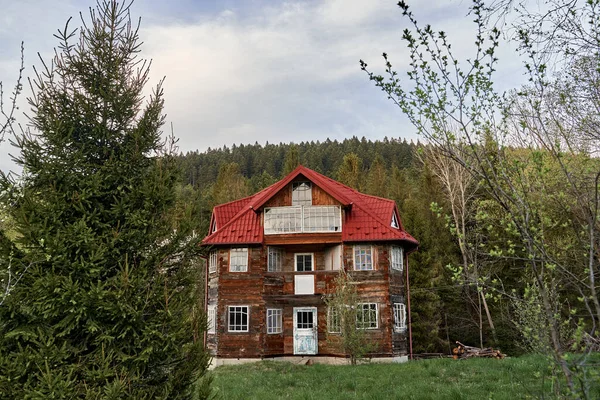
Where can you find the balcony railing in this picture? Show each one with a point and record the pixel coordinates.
(303, 219)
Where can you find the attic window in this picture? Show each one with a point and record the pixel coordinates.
(213, 228)
(301, 194)
(395, 221)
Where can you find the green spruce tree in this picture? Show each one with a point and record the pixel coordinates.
(230, 185)
(350, 172)
(377, 179)
(108, 301)
(291, 161)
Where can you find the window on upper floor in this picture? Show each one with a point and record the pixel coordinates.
(212, 318)
(238, 259)
(274, 320)
(238, 318)
(274, 259)
(212, 262)
(363, 258)
(367, 316)
(304, 262)
(397, 258)
(301, 194)
(399, 317)
(298, 219)
(322, 219)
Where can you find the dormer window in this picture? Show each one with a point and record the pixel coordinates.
(301, 194)
(395, 221)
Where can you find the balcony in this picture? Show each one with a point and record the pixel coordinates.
(302, 219)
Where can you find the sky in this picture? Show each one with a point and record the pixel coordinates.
(246, 71)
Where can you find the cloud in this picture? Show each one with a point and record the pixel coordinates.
(283, 73)
(265, 71)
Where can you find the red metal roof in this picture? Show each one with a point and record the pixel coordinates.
(367, 218)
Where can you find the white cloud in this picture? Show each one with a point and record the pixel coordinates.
(278, 74)
(282, 72)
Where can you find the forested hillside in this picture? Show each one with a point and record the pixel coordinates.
(444, 308)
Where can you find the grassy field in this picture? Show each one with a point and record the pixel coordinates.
(511, 378)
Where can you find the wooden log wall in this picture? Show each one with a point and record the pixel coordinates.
(261, 290)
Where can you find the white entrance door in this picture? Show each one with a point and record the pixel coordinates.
(305, 330)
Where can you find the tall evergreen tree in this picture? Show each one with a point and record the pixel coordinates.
(292, 160)
(231, 184)
(259, 182)
(108, 305)
(350, 172)
(377, 178)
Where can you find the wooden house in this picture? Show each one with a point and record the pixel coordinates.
(274, 255)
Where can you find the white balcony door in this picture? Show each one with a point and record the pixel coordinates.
(305, 330)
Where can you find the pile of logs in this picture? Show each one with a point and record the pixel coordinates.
(463, 351)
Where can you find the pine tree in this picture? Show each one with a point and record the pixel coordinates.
(231, 184)
(377, 179)
(292, 160)
(259, 182)
(350, 172)
(108, 304)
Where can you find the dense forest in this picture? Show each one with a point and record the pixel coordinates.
(444, 308)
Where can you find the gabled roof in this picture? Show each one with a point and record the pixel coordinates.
(320, 180)
(367, 218)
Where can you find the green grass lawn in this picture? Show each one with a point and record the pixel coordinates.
(511, 378)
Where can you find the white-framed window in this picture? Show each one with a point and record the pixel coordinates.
(367, 316)
(322, 219)
(301, 194)
(274, 320)
(212, 318)
(238, 259)
(238, 317)
(397, 258)
(394, 223)
(274, 259)
(333, 320)
(304, 262)
(399, 317)
(283, 220)
(363, 258)
(212, 261)
(298, 219)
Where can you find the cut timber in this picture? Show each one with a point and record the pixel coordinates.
(462, 351)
